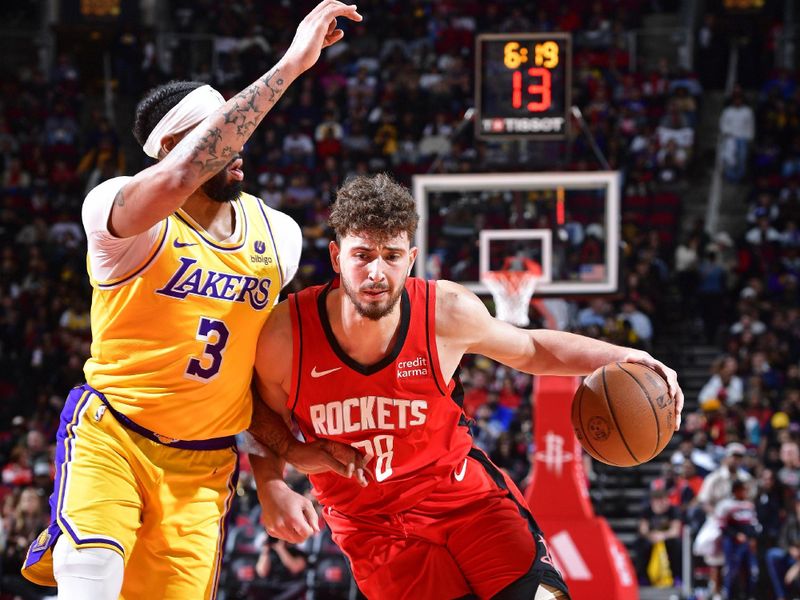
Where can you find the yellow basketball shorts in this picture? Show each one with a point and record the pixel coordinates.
(162, 508)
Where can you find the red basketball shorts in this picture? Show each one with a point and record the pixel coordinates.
(473, 535)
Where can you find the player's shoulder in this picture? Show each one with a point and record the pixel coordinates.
(274, 349)
(278, 327)
(97, 204)
(283, 224)
(457, 308)
(107, 189)
(452, 296)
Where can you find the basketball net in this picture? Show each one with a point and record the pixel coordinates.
(512, 292)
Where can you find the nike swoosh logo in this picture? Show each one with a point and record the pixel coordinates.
(315, 373)
(178, 244)
(460, 475)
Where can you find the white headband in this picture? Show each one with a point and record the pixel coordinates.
(187, 113)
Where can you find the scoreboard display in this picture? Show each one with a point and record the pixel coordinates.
(522, 85)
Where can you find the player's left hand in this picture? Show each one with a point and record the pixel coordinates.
(321, 456)
(669, 375)
(286, 514)
(318, 30)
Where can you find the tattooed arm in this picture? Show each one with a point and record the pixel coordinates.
(187, 163)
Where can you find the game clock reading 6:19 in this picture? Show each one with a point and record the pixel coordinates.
(522, 85)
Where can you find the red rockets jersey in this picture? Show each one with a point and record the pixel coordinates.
(398, 411)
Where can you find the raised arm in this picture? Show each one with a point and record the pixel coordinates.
(156, 192)
(464, 326)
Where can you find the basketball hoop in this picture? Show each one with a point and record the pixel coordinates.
(512, 292)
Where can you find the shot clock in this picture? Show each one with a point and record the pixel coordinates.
(522, 85)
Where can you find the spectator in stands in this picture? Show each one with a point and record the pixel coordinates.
(724, 385)
(712, 52)
(770, 507)
(298, 149)
(640, 324)
(671, 160)
(790, 166)
(687, 486)
(782, 560)
(280, 569)
(687, 261)
(687, 452)
(594, 315)
(737, 128)
(716, 488)
(740, 530)
(764, 206)
(789, 473)
(763, 233)
(674, 127)
(747, 323)
(660, 522)
(23, 522)
(711, 293)
(508, 457)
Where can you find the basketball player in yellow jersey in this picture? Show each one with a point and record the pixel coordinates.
(185, 270)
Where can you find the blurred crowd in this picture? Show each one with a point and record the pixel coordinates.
(392, 97)
(735, 479)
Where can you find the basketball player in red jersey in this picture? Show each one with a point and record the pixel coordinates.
(372, 363)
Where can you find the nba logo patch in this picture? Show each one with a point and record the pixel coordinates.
(259, 247)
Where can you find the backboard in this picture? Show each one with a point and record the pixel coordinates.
(567, 222)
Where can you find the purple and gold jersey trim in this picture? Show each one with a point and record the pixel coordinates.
(67, 434)
(113, 283)
(272, 239)
(207, 239)
(220, 443)
(223, 527)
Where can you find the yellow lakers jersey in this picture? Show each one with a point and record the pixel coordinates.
(173, 341)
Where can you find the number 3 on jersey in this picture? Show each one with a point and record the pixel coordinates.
(382, 447)
(215, 333)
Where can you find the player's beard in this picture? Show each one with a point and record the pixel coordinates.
(221, 188)
(374, 310)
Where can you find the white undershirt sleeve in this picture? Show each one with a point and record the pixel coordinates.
(111, 257)
(288, 241)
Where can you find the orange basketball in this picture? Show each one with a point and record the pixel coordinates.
(623, 414)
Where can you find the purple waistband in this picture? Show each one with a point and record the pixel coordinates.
(220, 443)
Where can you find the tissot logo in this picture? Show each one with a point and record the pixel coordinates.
(259, 247)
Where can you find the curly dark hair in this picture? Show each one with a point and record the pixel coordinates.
(158, 102)
(375, 204)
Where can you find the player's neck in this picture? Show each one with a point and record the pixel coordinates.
(217, 218)
(366, 341)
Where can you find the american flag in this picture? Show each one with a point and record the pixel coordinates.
(592, 272)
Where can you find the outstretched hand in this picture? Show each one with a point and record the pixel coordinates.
(325, 455)
(318, 30)
(671, 377)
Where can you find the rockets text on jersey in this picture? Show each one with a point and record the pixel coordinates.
(398, 411)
